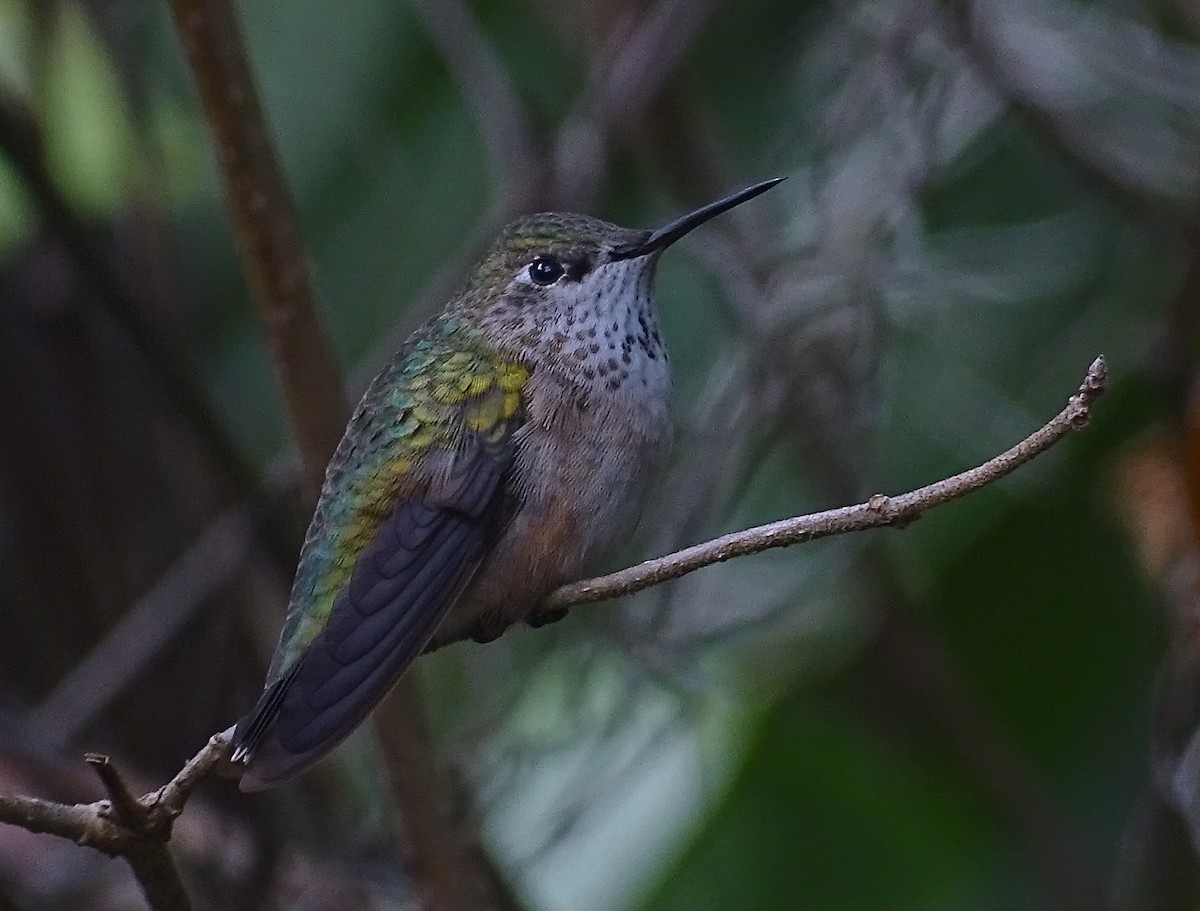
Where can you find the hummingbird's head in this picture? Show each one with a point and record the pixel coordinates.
(573, 287)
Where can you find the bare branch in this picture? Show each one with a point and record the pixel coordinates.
(877, 512)
(143, 823)
(170, 798)
(80, 823)
(125, 826)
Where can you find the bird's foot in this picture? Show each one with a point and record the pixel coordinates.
(483, 631)
(545, 618)
(487, 631)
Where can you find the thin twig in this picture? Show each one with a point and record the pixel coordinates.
(622, 91)
(144, 630)
(1072, 143)
(125, 806)
(877, 512)
(89, 824)
(172, 796)
(495, 105)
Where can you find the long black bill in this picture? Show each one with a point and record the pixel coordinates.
(669, 233)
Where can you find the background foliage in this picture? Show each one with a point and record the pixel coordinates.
(992, 708)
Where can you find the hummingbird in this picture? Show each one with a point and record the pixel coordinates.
(505, 450)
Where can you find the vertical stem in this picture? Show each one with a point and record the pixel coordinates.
(447, 861)
(269, 240)
(158, 877)
(266, 226)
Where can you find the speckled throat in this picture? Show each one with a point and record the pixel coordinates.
(600, 331)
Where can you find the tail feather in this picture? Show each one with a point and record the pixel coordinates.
(402, 585)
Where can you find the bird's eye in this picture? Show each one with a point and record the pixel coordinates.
(545, 270)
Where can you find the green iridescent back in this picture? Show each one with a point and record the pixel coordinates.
(446, 382)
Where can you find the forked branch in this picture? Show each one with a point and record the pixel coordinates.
(139, 829)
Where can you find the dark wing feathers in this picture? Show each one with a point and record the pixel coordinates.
(402, 585)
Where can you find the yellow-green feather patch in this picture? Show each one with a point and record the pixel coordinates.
(447, 384)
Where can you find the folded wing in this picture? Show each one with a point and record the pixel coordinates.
(403, 583)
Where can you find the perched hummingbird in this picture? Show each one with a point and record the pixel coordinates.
(505, 450)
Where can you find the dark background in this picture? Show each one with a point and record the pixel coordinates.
(985, 710)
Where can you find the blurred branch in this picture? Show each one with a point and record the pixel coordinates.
(635, 76)
(1155, 486)
(93, 825)
(1070, 141)
(497, 108)
(432, 813)
(269, 239)
(21, 145)
(624, 85)
(1169, 359)
(147, 627)
(909, 657)
(267, 229)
